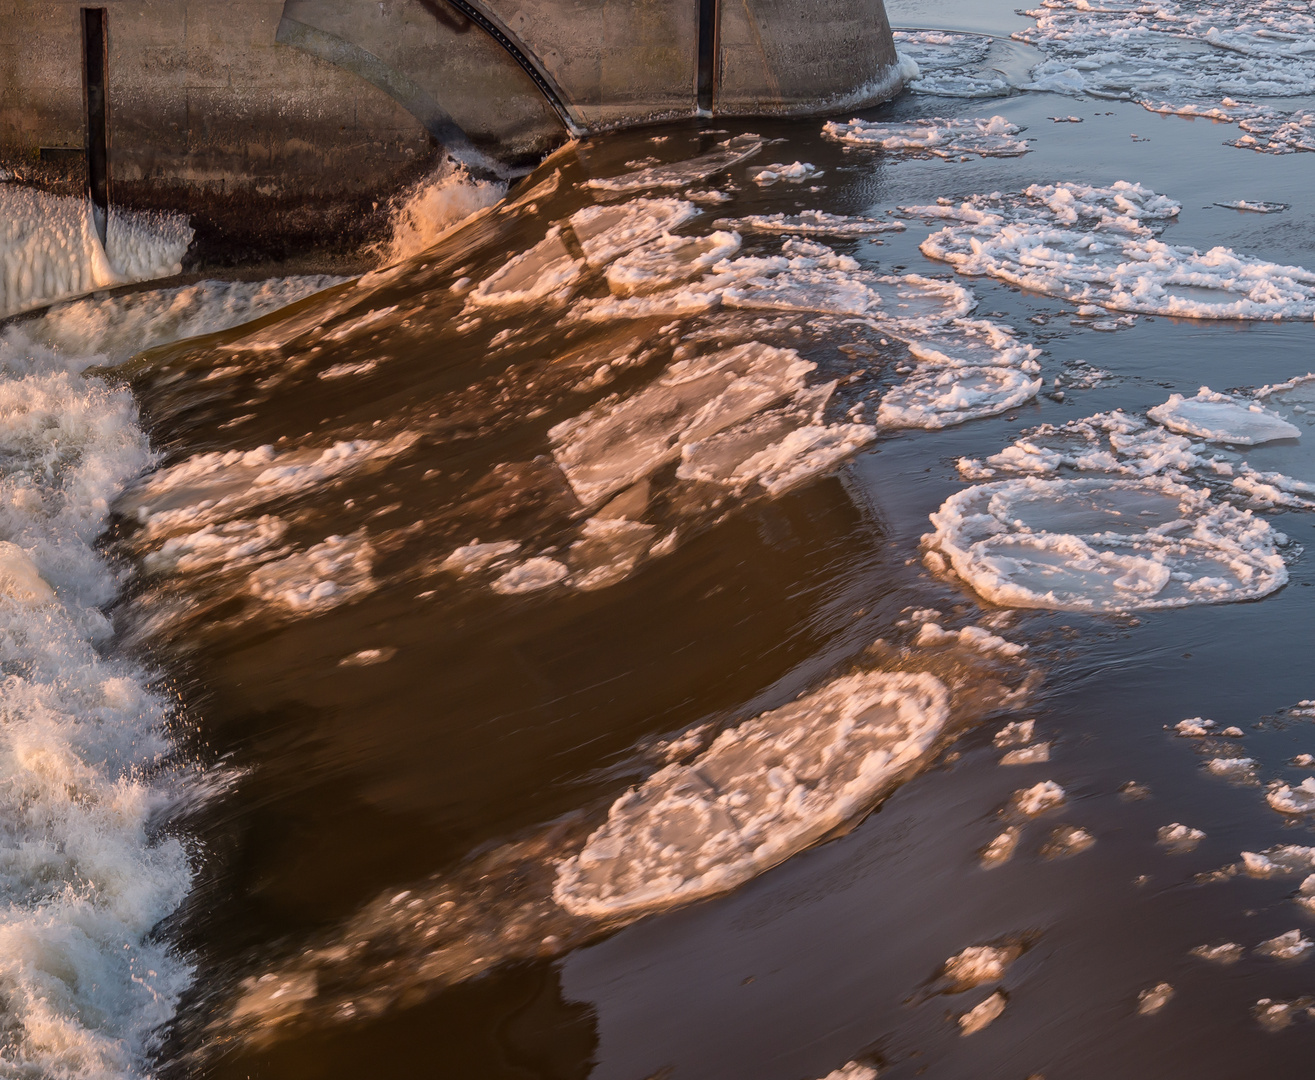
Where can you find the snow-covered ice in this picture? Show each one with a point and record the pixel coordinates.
(1036, 800)
(1290, 946)
(950, 64)
(1100, 246)
(1153, 999)
(1179, 838)
(1293, 798)
(983, 1015)
(683, 173)
(1222, 418)
(938, 136)
(811, 223)
(1104, 545)
(761, 792)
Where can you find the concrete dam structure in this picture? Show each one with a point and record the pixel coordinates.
(293, 115)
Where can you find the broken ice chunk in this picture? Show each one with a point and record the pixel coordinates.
(1289, 946)
(1228, 953)
(1178, 838)
(986, 1013)
(1152, 1000)
(1015, 733)
(1027, 755)
(533, 575)
(1066, 841)
(1039, 798)
(1293, 800)
(1001, 848)
(978, 964)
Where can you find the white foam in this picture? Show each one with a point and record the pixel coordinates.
(1105, 545)
(427, 211)
(49, 248)
(1222, 418)
(761, 792)
(683, 173)
(936, 136)
(1098, 246)
(85, 871)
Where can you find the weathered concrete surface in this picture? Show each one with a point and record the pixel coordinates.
(293, 118)
(803, 56)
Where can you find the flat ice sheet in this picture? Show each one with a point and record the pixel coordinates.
(950, 64)
(1099, 246)
(1105, 545)
(761, 792)
(936, 136)
(1222, 418)
(683, 173)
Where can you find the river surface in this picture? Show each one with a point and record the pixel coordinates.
(383, 596)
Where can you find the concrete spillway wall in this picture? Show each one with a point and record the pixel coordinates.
(320, 106)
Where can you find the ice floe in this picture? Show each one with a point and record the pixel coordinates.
(976, 965)
(1222, 418)
(1178, 838)
(668, 261)
(796, 173)
(1015, 733)
(1293, 799)
(1099, 246)
(1226, 953)
(1066, 841)
(811, 223)
(933, 137)
(1153, 999)
(1038, 799)
(1204, 58)
(761, 792)
(950, 64)
(546, 273)
(1290, 946)
(683, 173)
(1001, 848)
(1027, 755)
(1104, 545)
(981, 1016)
(1257, 206)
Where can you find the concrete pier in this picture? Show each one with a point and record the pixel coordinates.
(299, 114)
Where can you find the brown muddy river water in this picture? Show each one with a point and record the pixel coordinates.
(698, 618)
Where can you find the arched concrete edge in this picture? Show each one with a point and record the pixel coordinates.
(366, 65)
